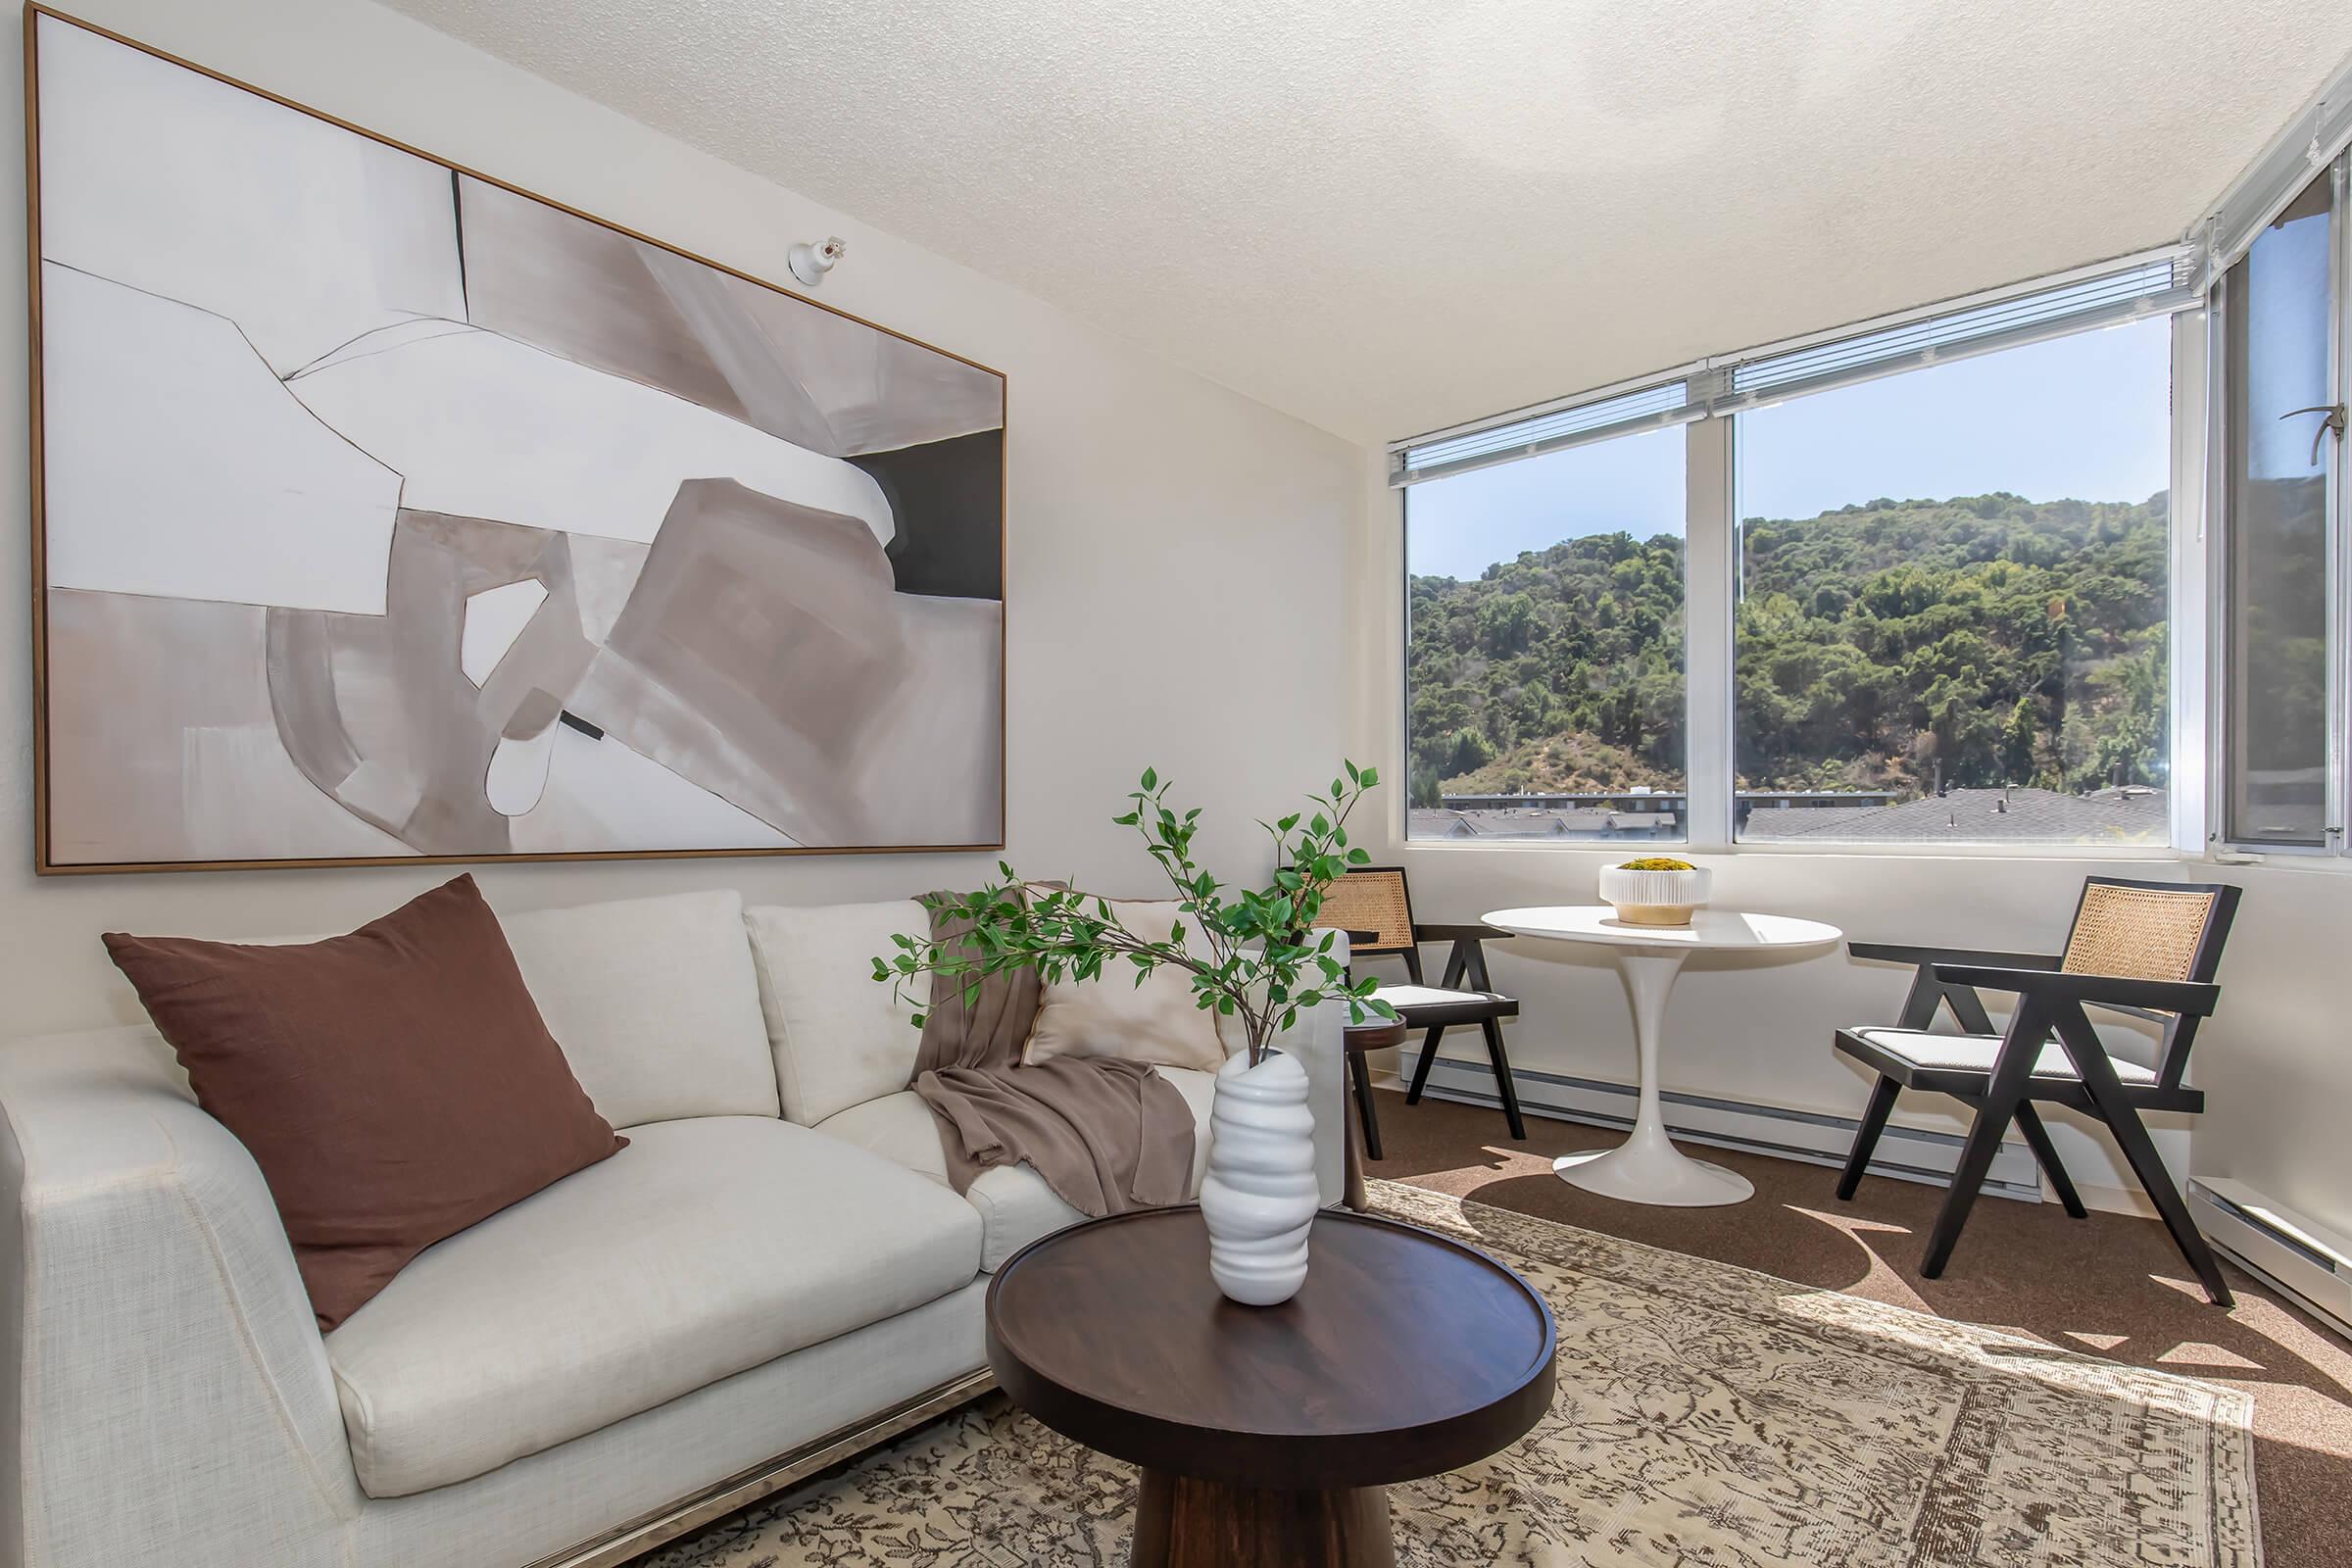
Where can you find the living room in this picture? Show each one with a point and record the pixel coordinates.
(621, 503)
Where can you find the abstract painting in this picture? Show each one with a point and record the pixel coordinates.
(385, 512)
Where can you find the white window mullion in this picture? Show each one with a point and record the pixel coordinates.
(2191, 644)
(1711, 568)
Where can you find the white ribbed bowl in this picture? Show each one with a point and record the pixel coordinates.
(1654, 898)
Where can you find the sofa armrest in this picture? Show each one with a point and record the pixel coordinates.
(162, 1378)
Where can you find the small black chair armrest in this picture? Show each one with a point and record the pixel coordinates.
(1900, 953)
(2103, 990)
(1473, 932)
(1466, 961)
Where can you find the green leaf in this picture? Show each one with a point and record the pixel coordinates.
(1150, 778)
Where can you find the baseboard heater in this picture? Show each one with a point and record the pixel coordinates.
(2276, 1245)
(1907, 1154)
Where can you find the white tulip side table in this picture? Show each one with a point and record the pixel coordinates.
(1646, 1168)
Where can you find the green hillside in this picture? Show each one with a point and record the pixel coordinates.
(2008, 641)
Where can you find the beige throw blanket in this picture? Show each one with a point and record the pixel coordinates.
(1107, 1135)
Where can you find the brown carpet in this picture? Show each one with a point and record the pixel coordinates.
(2109, 1284)
(1706, 1416)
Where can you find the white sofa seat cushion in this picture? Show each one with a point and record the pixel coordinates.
(1014, 1204)
(655, 1004)
(707, 1246)
(841, 1037)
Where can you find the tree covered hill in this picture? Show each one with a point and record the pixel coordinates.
(1991, 638)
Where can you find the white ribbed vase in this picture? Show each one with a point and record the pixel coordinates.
(1259, 1193)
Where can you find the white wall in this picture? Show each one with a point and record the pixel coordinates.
(1159, 526)
(2276, 1062)
(1157, 521)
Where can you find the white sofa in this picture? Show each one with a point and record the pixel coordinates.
(772, 1274)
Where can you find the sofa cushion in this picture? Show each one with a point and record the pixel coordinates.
(655, 1004)
(395, 1086)
(841, 1037)
(1153, 1016)
(707, 1246)
(1014, 1204)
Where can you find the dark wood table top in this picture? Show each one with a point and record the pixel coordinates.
(1373, 1034)
(1404, 1354)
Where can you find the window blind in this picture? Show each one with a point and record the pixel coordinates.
(2102, 295)
(1595, 417)
(2294, 158)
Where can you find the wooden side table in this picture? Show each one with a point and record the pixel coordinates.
(1363, 1134)
(1268, 1436)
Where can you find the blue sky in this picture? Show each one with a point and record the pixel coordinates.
(2085, 417)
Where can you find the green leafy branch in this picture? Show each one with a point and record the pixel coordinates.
(1252, 955)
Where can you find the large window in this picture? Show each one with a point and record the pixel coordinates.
(1906, 585)
(1925, 580)
(2278, 308)
(1545, 648)
(1952, 600)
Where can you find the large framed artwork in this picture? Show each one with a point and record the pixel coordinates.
(385, 512)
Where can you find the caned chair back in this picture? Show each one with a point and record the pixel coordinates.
(2153, 931)
(1371, 898)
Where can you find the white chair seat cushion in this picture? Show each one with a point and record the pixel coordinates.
(1014, 1205)
(655, 1004)
(1975, 1053)
(1409, 995)
(707, 1246)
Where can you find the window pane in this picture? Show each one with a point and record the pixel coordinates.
(1983, 661)
(2275, 314)
(1543, 687)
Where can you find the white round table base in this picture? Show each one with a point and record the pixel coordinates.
(1643, 1176)
(1646, 1168)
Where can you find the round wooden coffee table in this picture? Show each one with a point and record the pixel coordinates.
(1268, 1435)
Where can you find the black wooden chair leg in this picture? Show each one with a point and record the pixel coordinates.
(2045, 1152)
(1976, 1162)
(1866, 1136)
(2139, 1151)
(1502, 1078)
(1429, 1060)
(2148, 1166)
(1362, 1072)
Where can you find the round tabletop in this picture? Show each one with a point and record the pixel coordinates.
(1709, 930)
(1404, 1354)
(1373, 1034)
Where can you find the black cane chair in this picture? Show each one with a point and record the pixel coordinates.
(1372, 903)
(2146, 949)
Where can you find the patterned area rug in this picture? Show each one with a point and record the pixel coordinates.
(1707, 1416)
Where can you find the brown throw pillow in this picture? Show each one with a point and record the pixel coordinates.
(395, 1085)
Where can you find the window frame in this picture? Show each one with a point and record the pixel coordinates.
(1711, 564)
(2334, 852)
(1695, 740)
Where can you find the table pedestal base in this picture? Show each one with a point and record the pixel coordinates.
(1181, 1522)
(1646, 1168)
(1643, 1175)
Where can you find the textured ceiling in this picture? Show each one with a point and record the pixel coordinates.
(1385, 216)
